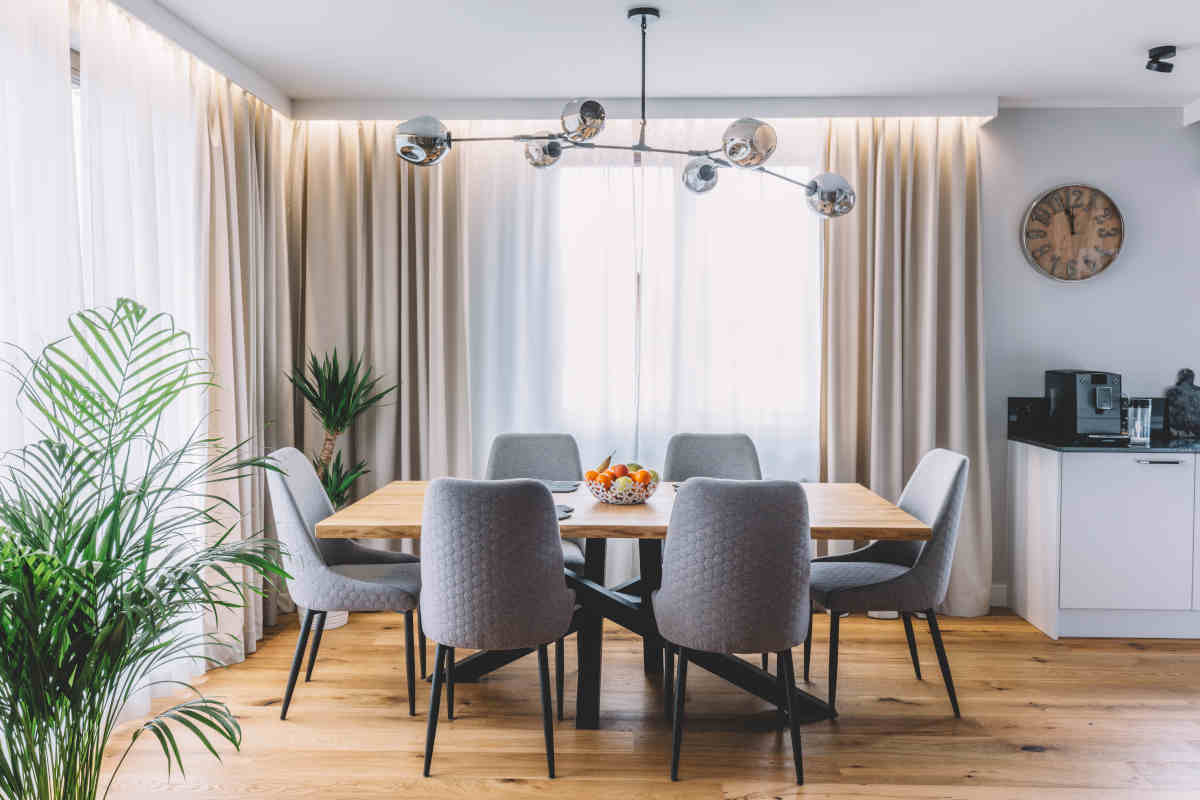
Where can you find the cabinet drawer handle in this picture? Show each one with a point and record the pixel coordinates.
(1159, 461)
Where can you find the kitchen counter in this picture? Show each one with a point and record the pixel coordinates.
(1156, 446)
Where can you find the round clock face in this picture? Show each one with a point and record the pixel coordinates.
(1072, 233)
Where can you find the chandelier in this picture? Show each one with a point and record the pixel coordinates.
(747, 144)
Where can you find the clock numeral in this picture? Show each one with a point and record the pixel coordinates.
(1041, 215)
(1034, 233)
(1077, 198)
(1041, 251)
(1108, 212)
(1056, 203)
(1106, 233)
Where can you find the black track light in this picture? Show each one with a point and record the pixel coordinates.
(1157, 62)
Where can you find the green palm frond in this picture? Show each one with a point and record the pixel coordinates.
(338, 396)
(103, 560)
(339, 480)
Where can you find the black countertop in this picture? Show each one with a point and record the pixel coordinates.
(1156, 446)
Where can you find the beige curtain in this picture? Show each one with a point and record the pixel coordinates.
(902, 330)
(379, 248)
(243, 244)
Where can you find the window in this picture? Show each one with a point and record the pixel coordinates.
(726, 286)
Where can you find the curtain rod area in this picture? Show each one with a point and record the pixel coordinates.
(663, 108)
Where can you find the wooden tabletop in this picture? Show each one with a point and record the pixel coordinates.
(836, 510)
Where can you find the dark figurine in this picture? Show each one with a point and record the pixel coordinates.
(1183, 406)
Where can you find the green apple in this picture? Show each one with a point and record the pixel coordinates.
(654, 476)
(623, 483)
(633, 466)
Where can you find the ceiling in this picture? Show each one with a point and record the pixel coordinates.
(1038, 52)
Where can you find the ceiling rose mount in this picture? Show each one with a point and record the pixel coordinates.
(747, 143)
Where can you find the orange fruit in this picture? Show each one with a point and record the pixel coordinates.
(590, 475)
(642, 476)
(604, 479)
(619, 470)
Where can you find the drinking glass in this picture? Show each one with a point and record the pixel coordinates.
(1139, 422)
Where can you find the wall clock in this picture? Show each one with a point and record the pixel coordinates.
(1072, 233)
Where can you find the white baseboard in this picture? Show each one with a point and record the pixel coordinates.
(1000, 595)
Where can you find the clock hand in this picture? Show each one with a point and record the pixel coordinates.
(1071, 220)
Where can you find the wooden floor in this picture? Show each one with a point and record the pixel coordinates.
(1041, 719)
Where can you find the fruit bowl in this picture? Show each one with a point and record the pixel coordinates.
(621, 486)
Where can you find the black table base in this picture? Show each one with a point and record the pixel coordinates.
(630, 606)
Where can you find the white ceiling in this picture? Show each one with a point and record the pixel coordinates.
(1041, 52)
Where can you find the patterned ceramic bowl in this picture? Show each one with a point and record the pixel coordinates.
(629, 496)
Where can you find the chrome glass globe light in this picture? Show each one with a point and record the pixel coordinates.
(747, 144)
(544, 150)
(423, 141)
(700, 175)
(831, 195)
(582, 120)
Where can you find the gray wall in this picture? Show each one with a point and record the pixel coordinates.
(1141, 317)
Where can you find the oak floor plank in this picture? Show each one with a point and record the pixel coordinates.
(1095, 718)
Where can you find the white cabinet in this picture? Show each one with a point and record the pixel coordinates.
(1105, 543)
(1126, 539)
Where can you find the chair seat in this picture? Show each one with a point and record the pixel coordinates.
(370, 587)
(847, 584)
(572, 554)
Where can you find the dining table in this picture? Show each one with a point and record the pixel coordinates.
(837, 511)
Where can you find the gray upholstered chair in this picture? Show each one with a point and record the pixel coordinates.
(908, 577)
(492, 566)
(548, 457)
(735, 580)
(299, 502)
(712, 455)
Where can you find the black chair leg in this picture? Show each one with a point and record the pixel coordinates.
(912, 642)
(560, 666)
(409, 665)
(449, 683)
(421, 634)
(787, 679)
(297, 660)
(765, 665)
(808, 643)
(547, 711)
(668, 680)
(834, 620)
(316, 644)
(435, 702)
(943, 662)
(677, 722)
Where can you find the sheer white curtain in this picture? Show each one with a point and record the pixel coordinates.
(141, 125)
(40, 273)
(729, 307)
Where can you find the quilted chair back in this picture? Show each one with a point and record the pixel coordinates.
(548, 456)
(298, 503)
(711, 455)
(736, 567)
(934, 494)
(492, 565)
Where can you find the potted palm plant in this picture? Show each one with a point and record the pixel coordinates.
(338, 395)
(104, 556)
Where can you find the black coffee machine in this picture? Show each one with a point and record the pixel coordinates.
(1084, 406)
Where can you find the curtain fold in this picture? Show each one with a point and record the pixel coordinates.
(378, 247)
(184, 210)
(243, 250)
(902, 339)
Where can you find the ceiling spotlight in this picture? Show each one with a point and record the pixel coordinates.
(1157, 62)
